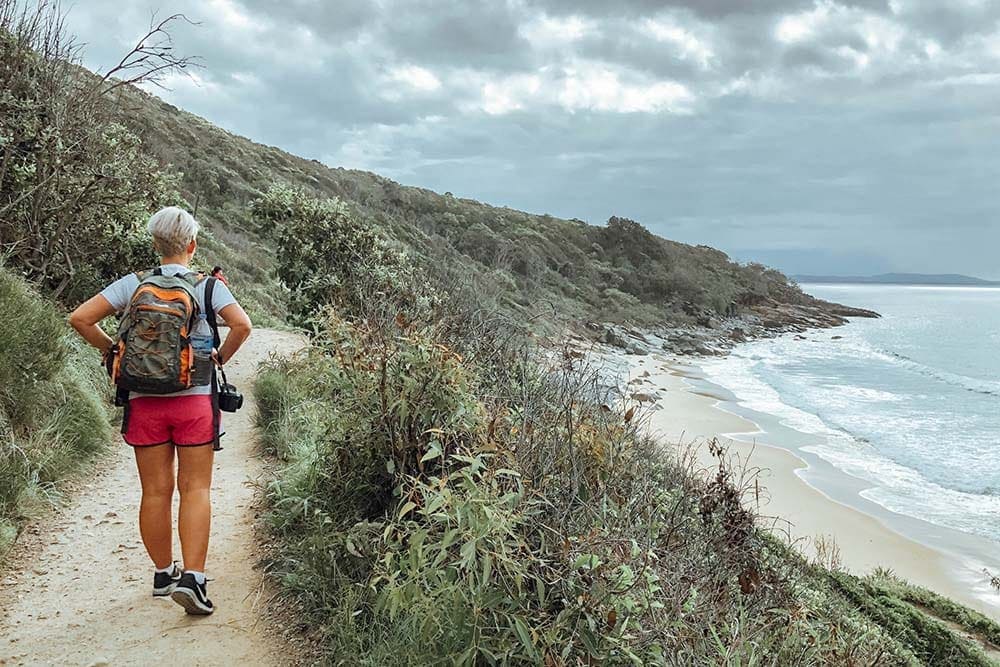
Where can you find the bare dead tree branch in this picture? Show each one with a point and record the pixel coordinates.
(150, 59)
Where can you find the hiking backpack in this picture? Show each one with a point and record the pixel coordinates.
(153, 353)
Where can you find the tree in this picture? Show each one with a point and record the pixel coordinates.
(327, 257)
(75, 183)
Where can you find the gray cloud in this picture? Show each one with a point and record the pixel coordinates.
(836, 130)
(709, 9)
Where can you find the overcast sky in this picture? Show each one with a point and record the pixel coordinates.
(851, 137)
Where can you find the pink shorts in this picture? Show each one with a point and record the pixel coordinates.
(185, 421)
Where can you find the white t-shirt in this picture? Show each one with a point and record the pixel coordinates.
(119, 293)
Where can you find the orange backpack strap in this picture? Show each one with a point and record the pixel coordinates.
(122, 395)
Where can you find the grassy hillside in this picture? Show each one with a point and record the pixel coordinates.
(452, 499)
(530, 265)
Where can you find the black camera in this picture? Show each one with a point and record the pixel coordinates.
(230, 398)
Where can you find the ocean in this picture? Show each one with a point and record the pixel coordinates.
(909, 404)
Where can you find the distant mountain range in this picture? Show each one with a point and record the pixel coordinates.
(902, 279)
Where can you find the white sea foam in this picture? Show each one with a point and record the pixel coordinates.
(897, 435)
(736, 373)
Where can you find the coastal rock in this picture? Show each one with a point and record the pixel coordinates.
(708, 334)
(613, 338)
(631, 341)
(848, 311)
(687, 343)
(637, 335)
(706, 320)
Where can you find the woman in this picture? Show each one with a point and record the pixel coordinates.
(182, 423)
(217, 273)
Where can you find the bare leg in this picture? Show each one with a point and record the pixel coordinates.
(156, 472)
(194, 480)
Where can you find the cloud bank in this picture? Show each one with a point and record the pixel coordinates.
(861, 132)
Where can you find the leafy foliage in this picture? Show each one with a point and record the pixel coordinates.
(51, 394)
(885, 584)
(928, 639)
(75, 183)
(464, 504)
(326, 257)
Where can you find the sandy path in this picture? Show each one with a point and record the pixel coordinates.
(82, 593)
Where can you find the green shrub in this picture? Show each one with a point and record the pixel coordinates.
(52, 397)
(249, 266)
(34, 348)
(886, 585)
(327, 257)
(438, 506)
(76, 185)
(928, 639)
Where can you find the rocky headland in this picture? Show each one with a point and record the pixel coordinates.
(707, 334)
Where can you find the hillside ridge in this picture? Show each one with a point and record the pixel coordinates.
(618, 274)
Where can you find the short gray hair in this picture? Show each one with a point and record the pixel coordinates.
(172, 230)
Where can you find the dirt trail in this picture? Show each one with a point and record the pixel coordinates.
(80, 593)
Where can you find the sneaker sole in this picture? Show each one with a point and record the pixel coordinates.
(187, 599)
(165, 591)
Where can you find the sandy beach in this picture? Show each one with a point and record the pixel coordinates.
(834, 522)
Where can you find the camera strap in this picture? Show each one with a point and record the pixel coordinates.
(216, 343)
(216, 413)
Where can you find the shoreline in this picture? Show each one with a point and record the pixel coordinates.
(812, 503)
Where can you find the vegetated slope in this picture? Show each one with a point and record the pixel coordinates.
(563, 270)
(448, 496)
(52, 395)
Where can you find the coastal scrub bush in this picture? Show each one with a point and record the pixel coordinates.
(52, 416)
(328, 257)
(248, 265)
(75, 183)
(969, 620)
(476, 503)
(927, 638)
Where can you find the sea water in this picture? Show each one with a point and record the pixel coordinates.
(909, 404)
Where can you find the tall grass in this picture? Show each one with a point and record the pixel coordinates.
(52, 414)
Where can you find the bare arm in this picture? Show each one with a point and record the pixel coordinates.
(85, 318)
(239, 329)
